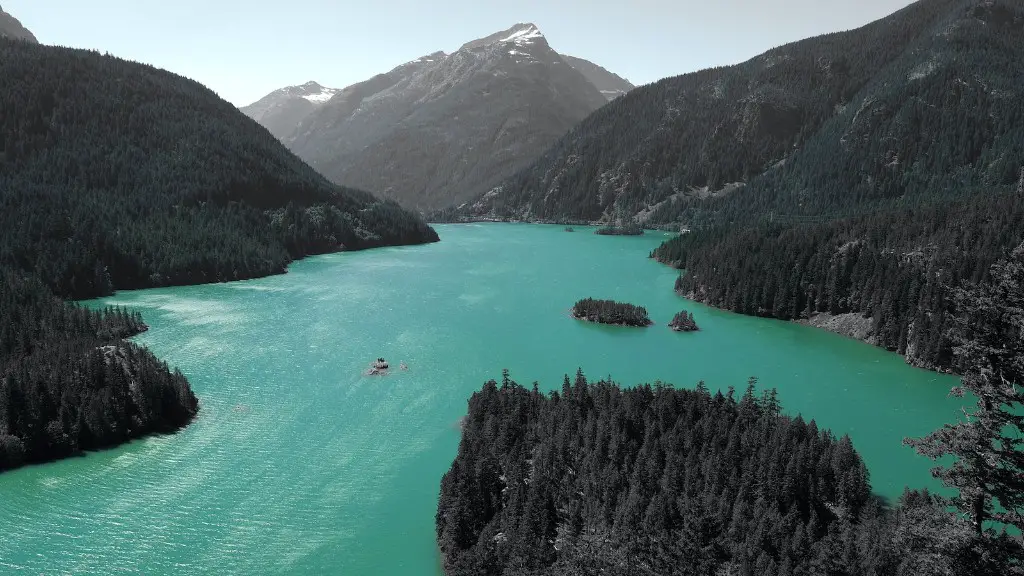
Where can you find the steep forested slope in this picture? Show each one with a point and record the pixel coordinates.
(924, 102)
(118, 175)
(651, 481)
(883, 277)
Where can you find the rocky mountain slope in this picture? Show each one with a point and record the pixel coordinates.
(282, 110)
(610, 84)
(10, 27)
(445, 127)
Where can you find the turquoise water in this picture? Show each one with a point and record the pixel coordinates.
(299, 464)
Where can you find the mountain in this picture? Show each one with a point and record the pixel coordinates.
(281, 110)
(10, 27)
(610, 84)
(926, 99)
(445, 127)
(119, 175)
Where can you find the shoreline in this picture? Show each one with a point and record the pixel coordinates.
(620, 325)
(556, 222)
(284, 270)
(848, 325)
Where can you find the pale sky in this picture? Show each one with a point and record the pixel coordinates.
(244, 49)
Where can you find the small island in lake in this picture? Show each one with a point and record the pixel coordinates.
(611, 312)
(683, 322)
(569, 229)
(623, 230)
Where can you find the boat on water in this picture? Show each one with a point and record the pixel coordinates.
(378, 368)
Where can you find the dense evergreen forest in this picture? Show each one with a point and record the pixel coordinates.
(893, 269)
(119, 175)
(623, 230)
(610, 312)
(70, 382)
(653, 481)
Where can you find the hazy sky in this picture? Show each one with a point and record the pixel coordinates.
(244, 49)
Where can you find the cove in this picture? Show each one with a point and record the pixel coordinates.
(299, 464)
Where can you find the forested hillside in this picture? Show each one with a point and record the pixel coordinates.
(925, 102)
(119, 175)
(884, 277)
(596, 479)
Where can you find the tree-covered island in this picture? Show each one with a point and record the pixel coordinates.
(683, 322)
(611, 312)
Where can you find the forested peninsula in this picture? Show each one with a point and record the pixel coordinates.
(116, 175)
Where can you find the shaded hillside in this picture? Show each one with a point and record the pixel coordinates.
(10, 27)
(445, 127)
(924, 102)
(596, 479)
(119, 175)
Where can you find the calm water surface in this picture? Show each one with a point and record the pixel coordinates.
(298, 464)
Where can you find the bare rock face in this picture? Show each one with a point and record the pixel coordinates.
(443, 128)
(10, 27)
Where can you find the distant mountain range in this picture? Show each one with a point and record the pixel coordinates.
(922, 102)
(10, 27)
(445, 127)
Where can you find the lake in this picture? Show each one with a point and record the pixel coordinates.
(300, 464)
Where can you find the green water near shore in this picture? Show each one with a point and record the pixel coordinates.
(299, 464)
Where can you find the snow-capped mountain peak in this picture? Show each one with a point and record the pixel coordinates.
(523, 34)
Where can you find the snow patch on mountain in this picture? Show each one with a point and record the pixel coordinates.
(320, 97)
(524, 35)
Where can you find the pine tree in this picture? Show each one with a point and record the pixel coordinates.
(989, 443)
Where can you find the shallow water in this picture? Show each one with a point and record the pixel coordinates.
(299, 464)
